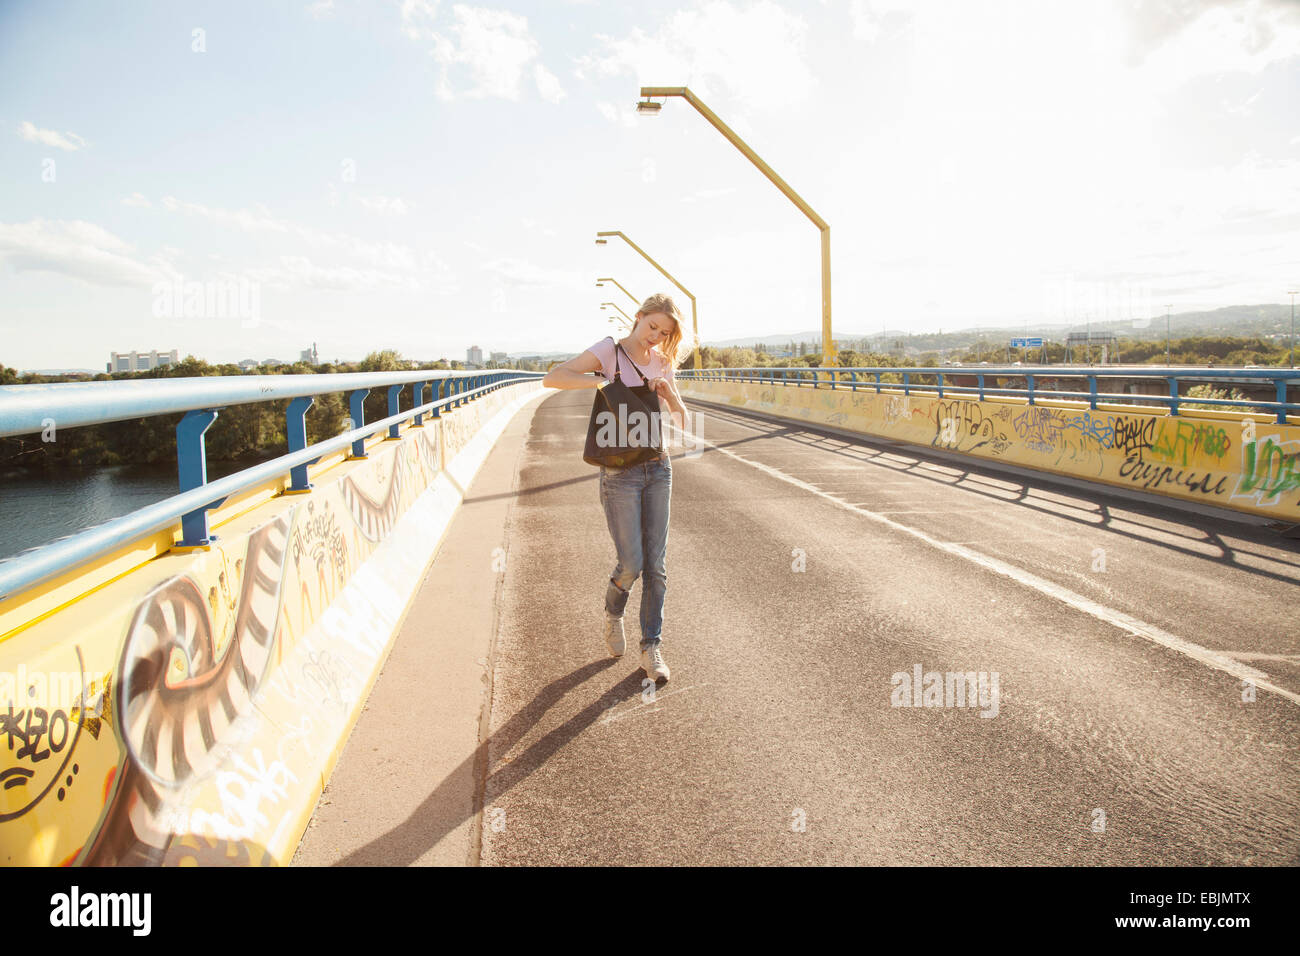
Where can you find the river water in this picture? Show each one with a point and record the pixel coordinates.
(37, 509)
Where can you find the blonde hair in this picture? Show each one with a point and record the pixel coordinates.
(671, 345)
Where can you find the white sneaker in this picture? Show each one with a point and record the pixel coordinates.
(652, 660)
(614, 635)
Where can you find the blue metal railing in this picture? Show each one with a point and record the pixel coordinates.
(1172, 379)
(23, 409)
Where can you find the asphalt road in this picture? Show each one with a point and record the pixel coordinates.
(804, 572)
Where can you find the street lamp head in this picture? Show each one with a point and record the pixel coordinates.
(649, 107)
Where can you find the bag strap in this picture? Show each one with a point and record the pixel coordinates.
(629, 358)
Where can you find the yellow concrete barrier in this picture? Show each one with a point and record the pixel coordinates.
(1242, 461)
(190, 711)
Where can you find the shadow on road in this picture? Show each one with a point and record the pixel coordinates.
(435, 817)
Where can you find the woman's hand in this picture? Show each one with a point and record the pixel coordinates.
(664, 389)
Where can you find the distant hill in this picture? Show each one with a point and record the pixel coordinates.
(1235, 320)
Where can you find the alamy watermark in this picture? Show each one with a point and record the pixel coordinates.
(633, 428)
(1100, 301)
(923, 688)
(227, 299)
(128, 910)
(49, 690)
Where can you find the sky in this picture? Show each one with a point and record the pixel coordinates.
(241, 179)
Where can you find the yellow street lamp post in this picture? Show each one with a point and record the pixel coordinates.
(695, 320)
(625, 315)
(651, 107)
(600, 284)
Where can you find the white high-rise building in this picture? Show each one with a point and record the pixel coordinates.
(141, 361)
(474, 355)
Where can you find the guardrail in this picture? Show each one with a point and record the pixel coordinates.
(24, 409)
(1173, 378)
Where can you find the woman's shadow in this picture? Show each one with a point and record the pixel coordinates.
(442, 810)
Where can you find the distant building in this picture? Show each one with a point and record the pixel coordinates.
(248, 363)
(499, 357)
(474, 355)
(141, 361)
(271, 363)
(309, 355)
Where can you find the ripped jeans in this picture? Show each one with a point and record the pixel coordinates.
(636, 507)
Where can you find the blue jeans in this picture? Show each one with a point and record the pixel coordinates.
(636, 507)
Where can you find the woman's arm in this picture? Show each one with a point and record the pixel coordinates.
(575, 373)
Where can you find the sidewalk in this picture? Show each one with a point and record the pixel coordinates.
(405, 787)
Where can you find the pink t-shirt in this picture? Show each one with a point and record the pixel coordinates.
(657, 367)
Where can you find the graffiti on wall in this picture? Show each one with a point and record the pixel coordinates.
(178, 696)
(1186, 456)
(962, 425)
(45, 713)
(1179, 442)
(161, 749)
(1269, 469)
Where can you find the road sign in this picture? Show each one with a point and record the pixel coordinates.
(1026, 343)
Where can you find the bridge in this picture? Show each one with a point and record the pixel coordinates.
(913, 615)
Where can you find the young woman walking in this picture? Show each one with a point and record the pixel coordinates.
(636, 499)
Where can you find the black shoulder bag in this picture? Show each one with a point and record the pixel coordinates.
(624, 428)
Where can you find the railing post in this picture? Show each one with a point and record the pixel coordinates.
(394, 406)
(833, 380)
(1029, 381)
(1280, 383)
(878, 383)
(905, 386)
(357, 414)
(192, 470)
(436, 394)
(939, 379)
(979, 380)
(417, 399)
(1173, 393)
(1092, 392)
(295, 430)
(853, 381)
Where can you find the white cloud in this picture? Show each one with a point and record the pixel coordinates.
(381, 255)
(754, 53)
(493, 46)
(870, 17)
(356, 264)
(137, 199)
(48, 137)
(76, 248)
(624, 117)
(522, 273)
(322, 9)
(548, 84)
(302, 272)
(1203, 37)
(416, 17)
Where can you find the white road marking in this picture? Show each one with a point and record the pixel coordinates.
(1125, 622)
